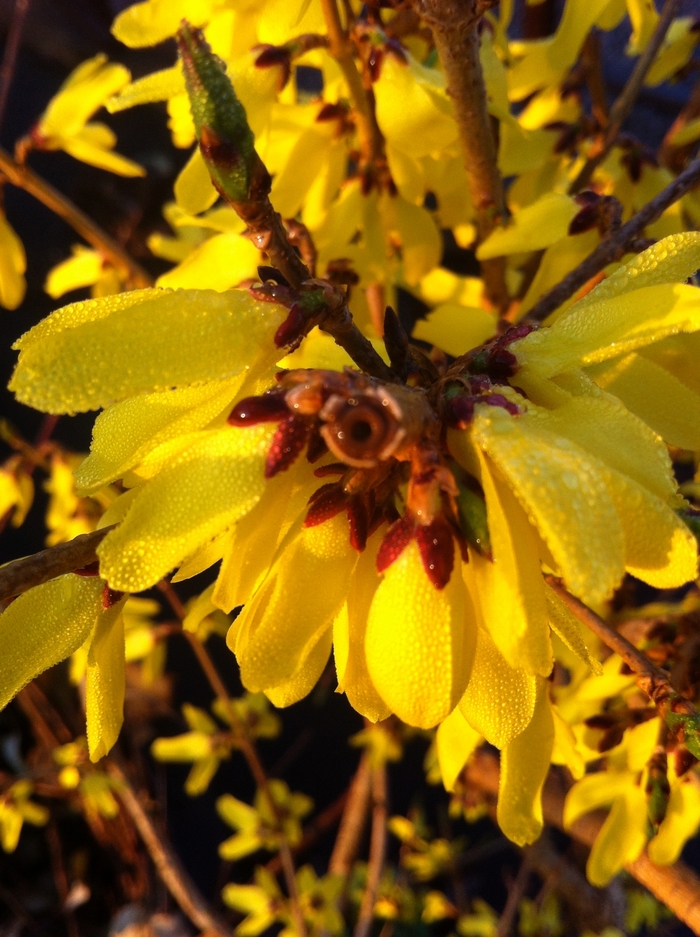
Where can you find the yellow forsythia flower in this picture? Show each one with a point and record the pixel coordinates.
(65, 124)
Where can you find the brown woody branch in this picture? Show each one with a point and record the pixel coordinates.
(622, 107)
(616, 246)
(454, 25)
(23, 574)
(377, 851)
(352, 823)
(677, 886)
(25, 178)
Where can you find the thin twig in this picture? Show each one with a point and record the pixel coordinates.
(25, 178)
(614, 247)
(456, 36)
(622, 107)
(166, 861)
(20, 575)
(313, 831)
(654, 681)
(669, 155)
(377, 851)
(593, 74)
(246, 747)
(353, 822)
(9, 60)
(516, 893)
(371, 140)
(676, 886)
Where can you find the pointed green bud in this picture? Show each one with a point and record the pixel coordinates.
(225, 139)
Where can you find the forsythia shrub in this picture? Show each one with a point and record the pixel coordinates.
(434, 515)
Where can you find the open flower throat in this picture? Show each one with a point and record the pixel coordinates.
(388, 439)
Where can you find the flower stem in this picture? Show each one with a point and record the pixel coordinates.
(353, 821)
(455, 33)
(24, 178)
(9, 60)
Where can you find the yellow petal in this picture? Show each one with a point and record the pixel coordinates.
(499, 700)
(510, 589)
(455, 329)
(655, 396)
(595, 791)
(545, 61)
(456, 740)
(194, 190)
(13, 264)
(416, 232)
(420, 641)
(295, 605)
(43, 627)
(124, 433)
(82, 269)
(565, 495)
(594, 332)
(679, 825)
(659, 548)
(82, 93)
(251, 548)
(671, 260)
(158, 86)
(524, 767)
(621, 838)
(220, 263)
(99, 351)
(565, 751)
(413, 112)
(104, 685)
(206, 489)
(303, 682)
(558, 260)
(152, 21)
(350, 629)
(82, 146)
(537, 226)
(568, 629)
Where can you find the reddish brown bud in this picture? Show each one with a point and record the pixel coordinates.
(325, 503)
(287, 443)
(333, 468)
(395, 541)
(358, 518)
(292, 329)
(498, 400)
(270, 408)
(460, 411)
(110, 597)
(683, 760)
(437, 551)
(317, 446)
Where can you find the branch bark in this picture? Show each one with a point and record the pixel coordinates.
(616, 246)
(677, 886)
(23, 574)
(377, 851)
(25, 178)
(622, 107)
(454, 26)
(353, 822)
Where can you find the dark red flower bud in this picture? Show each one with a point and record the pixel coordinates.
(325, 503)
(333, 468)
(292, 328)
(684, 760)
(502, 364)
(110, 597)
(460, 411)
(374, 64)
(586, 219)
(395, 541)
(437, 551)
(269, 408)
(498, 400)
(358, 511)
(290, 438)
